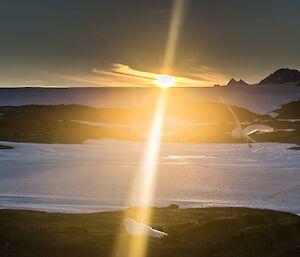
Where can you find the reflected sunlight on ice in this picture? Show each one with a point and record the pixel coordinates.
(98, 175)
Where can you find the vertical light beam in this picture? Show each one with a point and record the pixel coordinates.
(146, 177)
(142, 194)
(173, 35)
(145, 183)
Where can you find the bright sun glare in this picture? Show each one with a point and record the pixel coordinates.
(165, 81)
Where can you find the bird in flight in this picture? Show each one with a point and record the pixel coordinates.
(244, 134)
(139, 229)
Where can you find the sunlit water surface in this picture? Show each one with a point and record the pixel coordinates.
(98, 176)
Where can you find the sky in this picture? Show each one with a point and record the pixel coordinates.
(123, 42)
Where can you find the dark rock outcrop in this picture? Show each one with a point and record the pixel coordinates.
(234, 82)
(282, 76)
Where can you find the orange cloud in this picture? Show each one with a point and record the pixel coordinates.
(208, 74)
(121, 75)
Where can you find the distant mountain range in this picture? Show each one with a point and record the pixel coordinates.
(280, 76)
(234, 83)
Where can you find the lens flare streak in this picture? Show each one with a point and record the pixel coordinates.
(146, 179)
(146, 176)
(172, 41)
(143, 190)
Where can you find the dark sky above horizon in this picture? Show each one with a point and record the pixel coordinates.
(49, 42)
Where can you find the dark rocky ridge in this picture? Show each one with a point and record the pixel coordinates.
(199, 122)
(5, 147)
(282, 76)
(58, 123)
(234, 82)
(289, 111)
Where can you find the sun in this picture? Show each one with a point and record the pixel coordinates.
(165, 81)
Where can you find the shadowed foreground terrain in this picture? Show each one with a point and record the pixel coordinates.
(192, 232)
